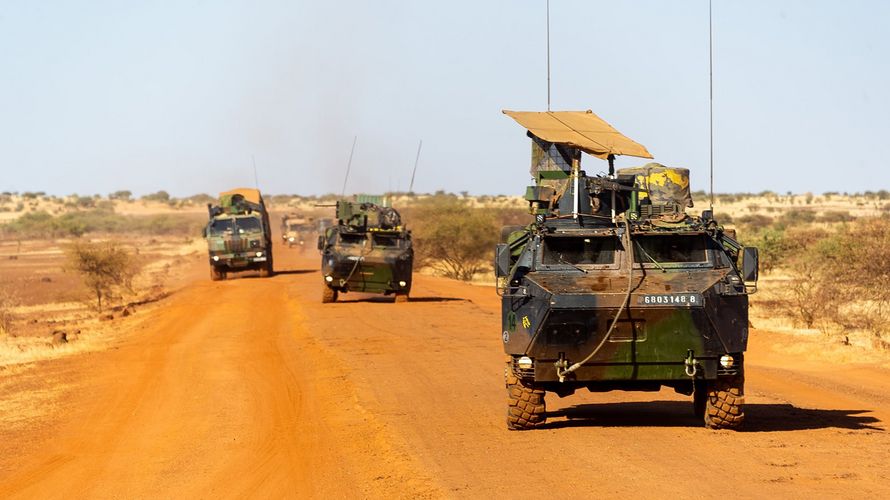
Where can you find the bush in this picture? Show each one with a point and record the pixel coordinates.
(451, 237)
(8, 301)
(835, 216)
(122, 195)
(161, 196)
(43, 225)
(107, 269)
(754, 221)
(842, 276)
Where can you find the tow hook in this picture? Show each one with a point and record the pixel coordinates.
(691, 365)
(562, 367)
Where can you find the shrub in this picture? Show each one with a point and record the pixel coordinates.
(8, 301)
(754, 221)
(161, 196)
(107, 268)
(835, 216)
(122, 195)
(451, 237)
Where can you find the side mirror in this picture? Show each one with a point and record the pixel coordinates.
(750, 264)
(320, 242)
(502, 260)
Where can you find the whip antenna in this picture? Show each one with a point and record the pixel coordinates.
(348, 166)
(414, 172)
(548, 55)
(711, 94)
(256, 182)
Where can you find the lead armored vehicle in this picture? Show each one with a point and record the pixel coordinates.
(239, 237)
(368, 250)
(614, 286)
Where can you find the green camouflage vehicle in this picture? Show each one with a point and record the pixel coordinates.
(369, 250)
(614, 286)
(239, 237)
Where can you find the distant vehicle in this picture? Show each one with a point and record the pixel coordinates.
(614, 286)
(368, 250)
(239, 236)
(296, 229)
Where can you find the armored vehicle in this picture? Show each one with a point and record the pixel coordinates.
(614, 286)
(296, 229)
(239, 236)
(368, 250)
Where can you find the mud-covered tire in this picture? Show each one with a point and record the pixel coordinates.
(217, 274)
(401, 298)
(526, 408)
(724, 403)
(328, 295)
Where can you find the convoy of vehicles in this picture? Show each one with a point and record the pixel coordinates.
(612, 286)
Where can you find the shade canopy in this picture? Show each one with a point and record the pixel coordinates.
(249, 194)
(579, 129)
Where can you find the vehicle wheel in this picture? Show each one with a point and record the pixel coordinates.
(401, 298)
(526, 408)
(723, 405)
(328, 295)
(699, 398)
(217, 274)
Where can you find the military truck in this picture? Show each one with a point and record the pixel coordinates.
(296, 229)
(368, 250)
(239, 236)
(614, 286)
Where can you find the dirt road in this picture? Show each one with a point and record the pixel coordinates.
(252, 388)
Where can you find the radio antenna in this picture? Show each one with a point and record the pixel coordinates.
(348, 166)
(711, 93)
(414, 172)
(548, 55)
(256, 182)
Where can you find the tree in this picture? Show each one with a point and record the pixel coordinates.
(122, 195)
(452, 237)
(106, 268)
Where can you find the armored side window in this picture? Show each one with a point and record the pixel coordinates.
(388, 241)
(352, 239)
(592, 250)
(671, 249)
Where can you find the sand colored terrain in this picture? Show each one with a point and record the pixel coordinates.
(253, 388)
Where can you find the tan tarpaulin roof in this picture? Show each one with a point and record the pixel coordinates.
(579, 129)
(249, 194)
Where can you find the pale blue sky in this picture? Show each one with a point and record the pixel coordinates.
(100, 96)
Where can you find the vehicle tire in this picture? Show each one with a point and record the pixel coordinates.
(699, 398)
(217, 274)
(401, 298)
(328, 295)
(526, 408)
(723, 405)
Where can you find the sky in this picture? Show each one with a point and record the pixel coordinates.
(183, 96)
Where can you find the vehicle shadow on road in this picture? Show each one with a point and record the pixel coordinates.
(390, 299)
(295, 271)
(759, 417)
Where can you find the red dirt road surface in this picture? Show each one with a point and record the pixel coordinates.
(253, 388)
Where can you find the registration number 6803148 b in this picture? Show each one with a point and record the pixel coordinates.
(671, 299)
